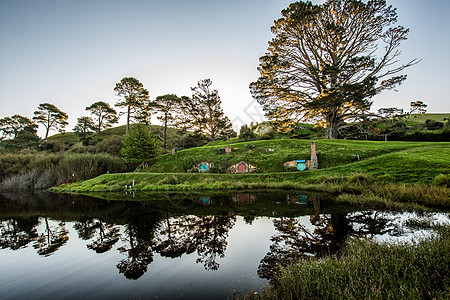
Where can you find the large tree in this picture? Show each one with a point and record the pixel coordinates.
(12, 127)
(167, 105)
(105, 115)
(51, 117)
(135, 98)
(327, 61)
(203, 112)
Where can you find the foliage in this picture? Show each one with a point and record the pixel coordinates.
(246, 134)
(187, 140)
(391, 112)
(322, 65)
(167, 105)
(85, 126)
(433, 125)
(37, 171)
(105, 116)
(17, 132)
(442, 180)
(135, 99)
(140, 144)
(12, 127)
(203, 112)
(51, 117)
(111, 145)
(418, 107)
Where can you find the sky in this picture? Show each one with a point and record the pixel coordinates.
(72, 53)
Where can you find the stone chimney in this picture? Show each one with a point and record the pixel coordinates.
(314, 161)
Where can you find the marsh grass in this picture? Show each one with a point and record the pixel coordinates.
(369, 270)
(43, 172)
(399, 196)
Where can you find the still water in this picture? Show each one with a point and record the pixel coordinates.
(173, 246)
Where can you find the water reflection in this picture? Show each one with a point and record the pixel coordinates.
(172, 226)
(51, 238)
(18, 232)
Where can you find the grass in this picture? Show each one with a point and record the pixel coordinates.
(332, 153)
(69, 139)
(430, 116)
(368, 270)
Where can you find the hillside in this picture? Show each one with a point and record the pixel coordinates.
(430, 116)
(332, 153)
(380, 162)
(69, 139)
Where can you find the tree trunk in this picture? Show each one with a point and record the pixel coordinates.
(128, 121)
(165, 131)
(331, 131)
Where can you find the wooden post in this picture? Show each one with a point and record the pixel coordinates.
(314, 160)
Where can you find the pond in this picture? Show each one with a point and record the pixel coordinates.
(174, 246)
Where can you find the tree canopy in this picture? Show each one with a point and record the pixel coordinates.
(140, 144)
(11, 127)
(51, 117)
(105, 116)
(203, 112)
(85, 126)
(327, 61)
(135, 98)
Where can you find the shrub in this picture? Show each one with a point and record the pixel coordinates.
(140, 144)
(246, 134)
(433, 125)
(172, 180)
(111, 145)
(42, 172)
(360, 178)
(442, 180)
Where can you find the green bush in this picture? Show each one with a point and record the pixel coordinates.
(111, 145)
(442, 180)
(140, 144)
(246, 134)
(172, 180)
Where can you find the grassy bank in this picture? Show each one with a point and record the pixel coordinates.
(367, 270)
(410, 172)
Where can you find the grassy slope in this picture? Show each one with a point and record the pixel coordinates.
(436, 117)
(392, 161)
(70, 138)
(332, 153)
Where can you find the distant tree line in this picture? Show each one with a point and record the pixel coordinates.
(202, 113)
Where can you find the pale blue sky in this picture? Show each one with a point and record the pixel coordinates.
(72, 53)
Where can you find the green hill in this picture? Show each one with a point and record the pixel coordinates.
(400, 162)
(332, 153)
(69, 139)
(430, 116)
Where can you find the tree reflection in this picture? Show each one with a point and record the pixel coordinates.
(105, 235)
(53, 238)
(210, 237)
(139, 256)
(173, 237)
(17, 233)
(294, 241)
(138, 238)
(206, 235)
(85, 228)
